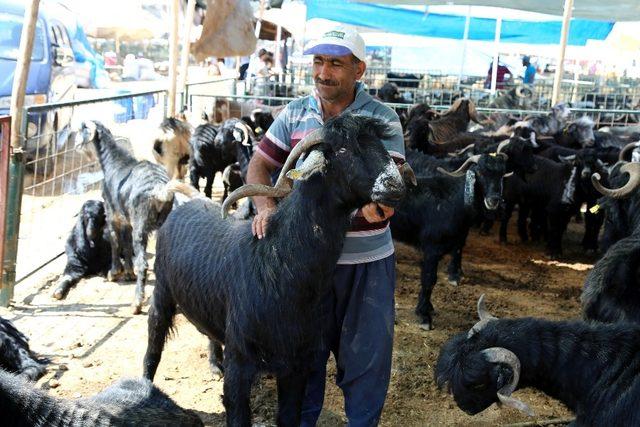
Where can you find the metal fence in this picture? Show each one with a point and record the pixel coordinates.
(437, 88)
(57, 179)
(242, 105)
(5, 135)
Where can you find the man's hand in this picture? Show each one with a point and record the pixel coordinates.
(376, 212)
(260, 221)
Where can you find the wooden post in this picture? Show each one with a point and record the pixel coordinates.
(465, 39)
(173, 57)
(22, 73)
(564, 35)
(16, 166)
(186, 42)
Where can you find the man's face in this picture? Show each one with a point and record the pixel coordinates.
(336, 76)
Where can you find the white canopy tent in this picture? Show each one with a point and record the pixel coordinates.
(621, 10)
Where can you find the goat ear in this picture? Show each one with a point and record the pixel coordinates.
(314, 163)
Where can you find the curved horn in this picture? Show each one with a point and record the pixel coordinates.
(502, 146)
(485, 318)
(629, 147)
(314, 138)
(462, 169)
(252, 190)
(473, 113)
(463, 151)
(633, 169)
(502, 355)
(246, 131)
(520, 92)
(408, 175)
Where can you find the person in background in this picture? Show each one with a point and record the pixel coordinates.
(529, 72)
(503, 76)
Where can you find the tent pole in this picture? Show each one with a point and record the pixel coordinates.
(173, 58)
(278, 49)
(465, 38)
(564, 35)
(494, 67)
(186, 42)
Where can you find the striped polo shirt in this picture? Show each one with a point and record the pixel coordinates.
(365, 242)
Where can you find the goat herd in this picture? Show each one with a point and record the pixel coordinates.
(245, 294)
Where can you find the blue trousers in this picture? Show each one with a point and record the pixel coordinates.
(357, 327)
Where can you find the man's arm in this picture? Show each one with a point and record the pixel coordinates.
(259, 172)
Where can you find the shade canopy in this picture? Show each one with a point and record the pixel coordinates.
(413, 22)
(618, 10)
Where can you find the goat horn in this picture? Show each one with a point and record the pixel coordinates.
(245, 131)
(502, 355)
(520, 92)
(408, 175)
(462, 169)
(252, 190)
(485, 318)
(633, 169)
(629, 147)
(502, 146)
(463, 151)
(473, 113)
(313, 138)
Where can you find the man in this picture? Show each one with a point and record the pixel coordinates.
(529, 72)
(503, 75)
(357, 316)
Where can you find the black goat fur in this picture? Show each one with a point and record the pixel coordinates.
(15, 354)
(88, 249)
(259, 297)
(594, 369)
(129, 402)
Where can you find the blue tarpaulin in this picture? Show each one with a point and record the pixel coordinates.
(413, 22)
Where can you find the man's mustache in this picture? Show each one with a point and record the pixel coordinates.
(326, 82)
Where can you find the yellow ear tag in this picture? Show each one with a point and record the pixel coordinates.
(594, 209)
(294, 174)
(493, 154)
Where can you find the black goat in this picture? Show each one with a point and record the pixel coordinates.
(262, 305)
(126, 403)
(88, 249)
(591, 368)
(551, 124)
(437, 214)
(611, 291)
(15, 354)
(213, 149)
(621, 205)
(577, 134)
(138, 196)
(259, 121)
(550, 194)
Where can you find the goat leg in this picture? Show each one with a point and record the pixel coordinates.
(69, 278)
(117, 270)
(523, 215)
(140, 263)
(237, 390)
(454, 270)
(429, 276)
(290, 396)
(161, 313)
(504, 220)
(216, 359)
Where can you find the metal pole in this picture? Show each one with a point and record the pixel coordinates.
(465, 39)
(186, 41)
(494, 67)
(278, 49)
(16, 165)
(564, 35)
(173, 57)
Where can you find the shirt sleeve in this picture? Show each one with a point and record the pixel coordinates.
(395, 142)
(276, 144)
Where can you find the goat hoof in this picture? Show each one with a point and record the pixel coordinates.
(216, 373)
(427, 326)
(129, 276)
(60, 294)
(114, 276)
(454, 282)
(137, 308)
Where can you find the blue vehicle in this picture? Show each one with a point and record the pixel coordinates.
(51, 75)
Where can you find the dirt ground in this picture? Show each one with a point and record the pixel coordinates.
(93, 339)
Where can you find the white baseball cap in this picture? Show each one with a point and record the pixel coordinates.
(338, 41)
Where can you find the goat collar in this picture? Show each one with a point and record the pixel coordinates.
(469, 188)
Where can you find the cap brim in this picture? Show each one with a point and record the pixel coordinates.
(328, 49)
